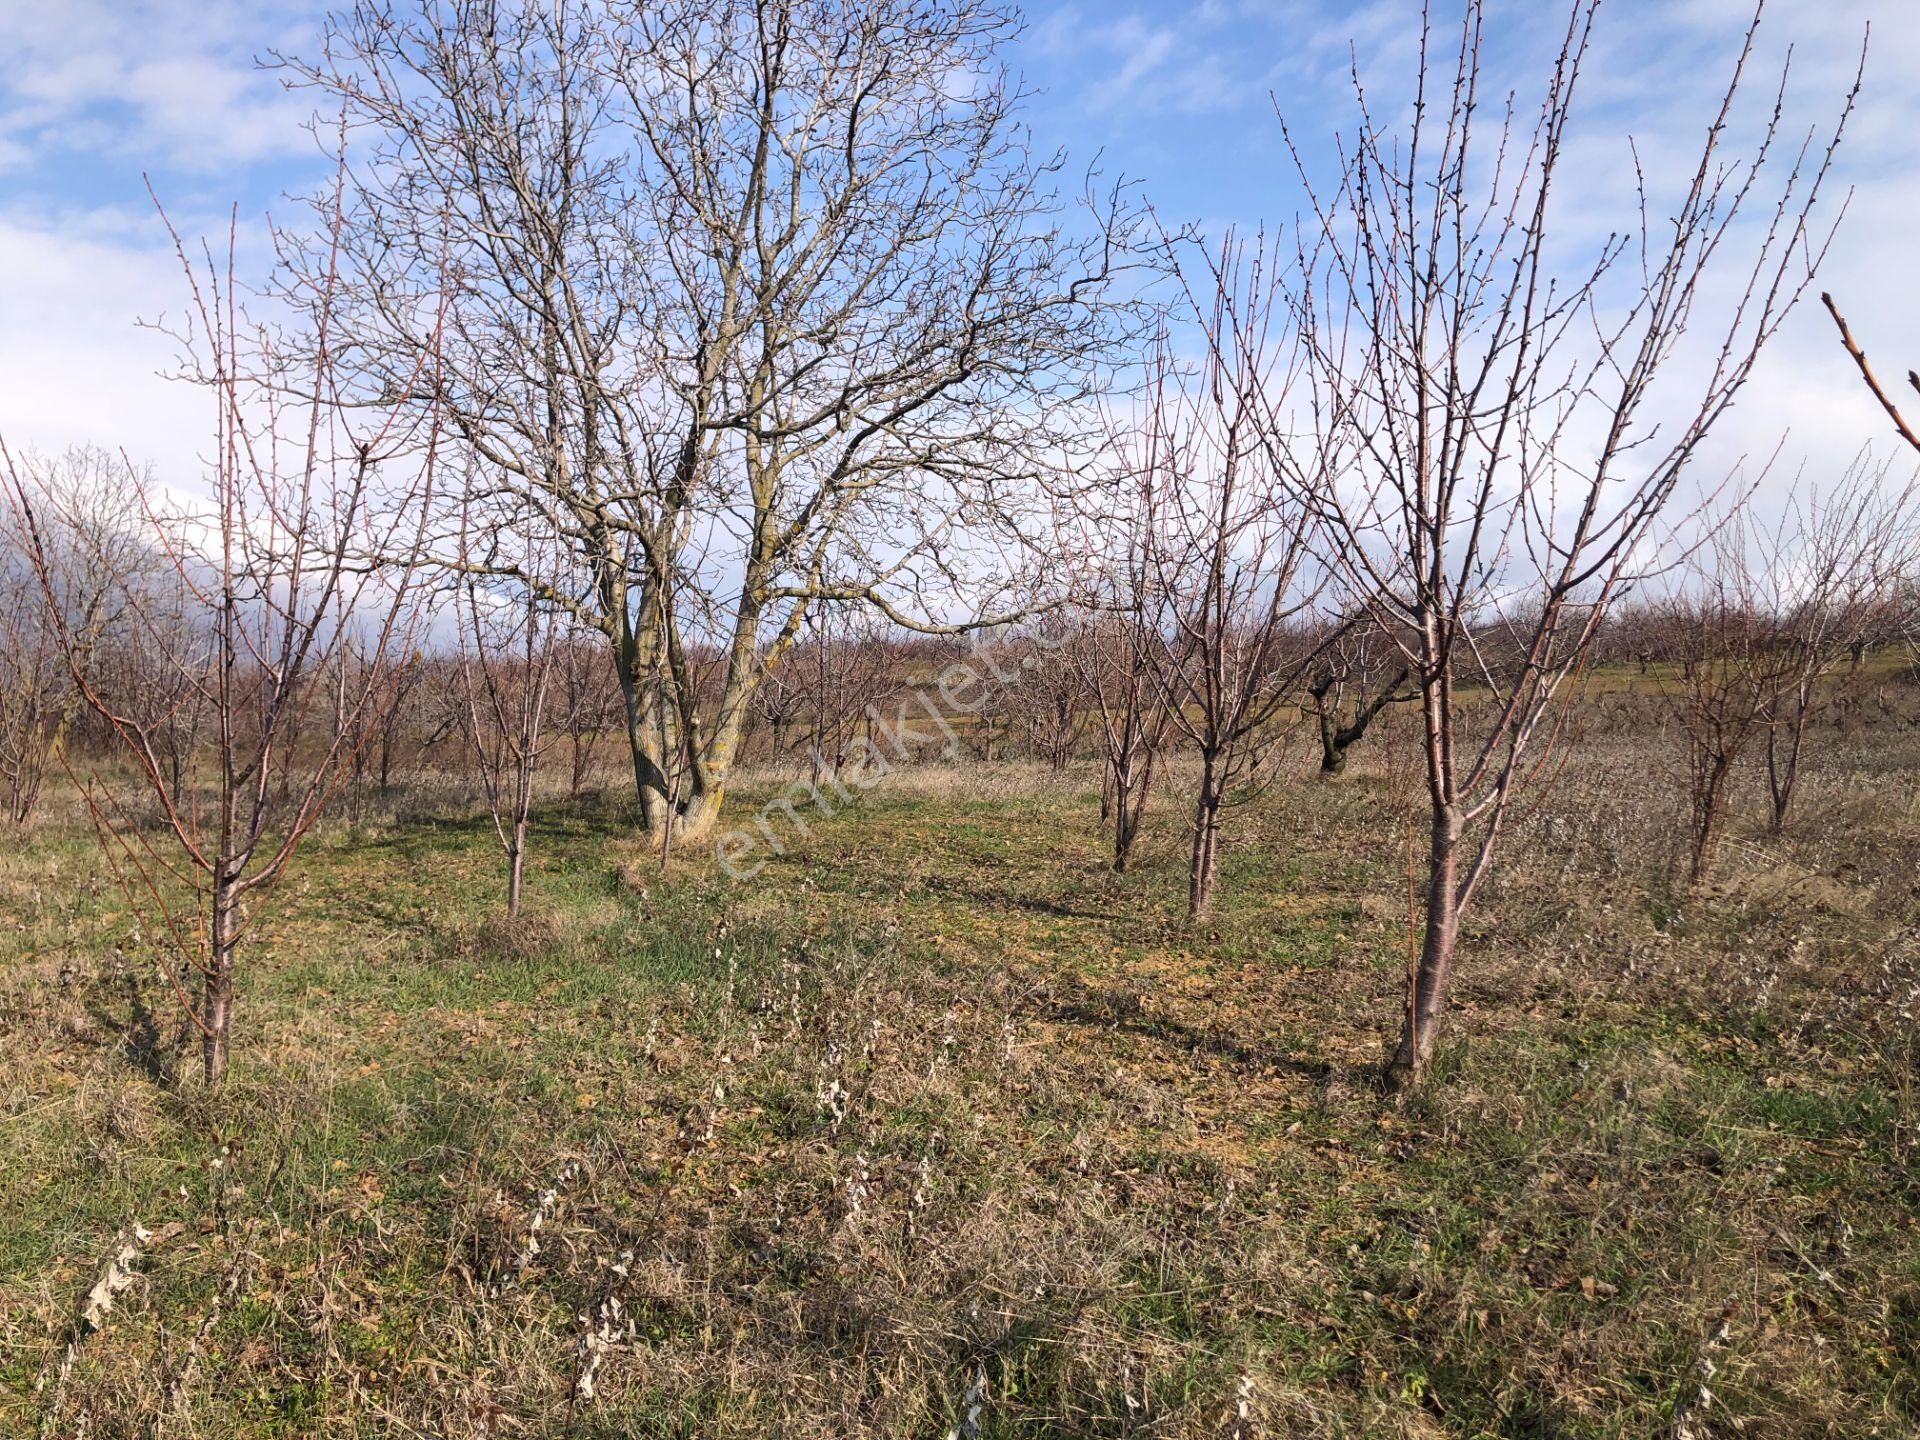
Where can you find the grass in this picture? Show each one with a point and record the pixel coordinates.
(939, 1106)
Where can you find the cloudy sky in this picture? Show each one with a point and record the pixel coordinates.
(1181, 96)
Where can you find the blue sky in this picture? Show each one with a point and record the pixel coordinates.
(1179, 96)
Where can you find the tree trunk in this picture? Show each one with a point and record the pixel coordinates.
(1333, 755)
(516, 866)
(702, 809)
(1783, 764)
(649, 778)
(1425, 1013)
(1206, 861)
(1710, 806)
(1132, 785)
(216, 997)
(1123, 816)
(708, 765)
(1335, 738)
(1206, 843)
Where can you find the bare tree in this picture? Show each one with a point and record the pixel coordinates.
(590, 705)
(778, 702)
(272, 567)
(497, 160)
(1631, 633)
(1832, 570)
(366, 732)
(1757, 620)
(838, 671)
(760, 304)
(1727, 661)
(33, 690)
(509, 653)
(1494, 440)
(1111, 649)
(94, 558)
(398, 717)
(1113, 658)
(1361, 673)
(1047, 697)
(145, 685)
(1903, 624)
(1233, 577)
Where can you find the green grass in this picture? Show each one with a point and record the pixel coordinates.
(938, 1096)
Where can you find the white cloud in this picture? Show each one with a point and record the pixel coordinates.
(171, 82)
(95, 93)
(74, 367)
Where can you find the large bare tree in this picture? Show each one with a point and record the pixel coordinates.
(1496, 432)
(757, 303)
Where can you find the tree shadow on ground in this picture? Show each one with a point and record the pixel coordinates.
(1064, 1001)
(1012, 900)
(137, 1027)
